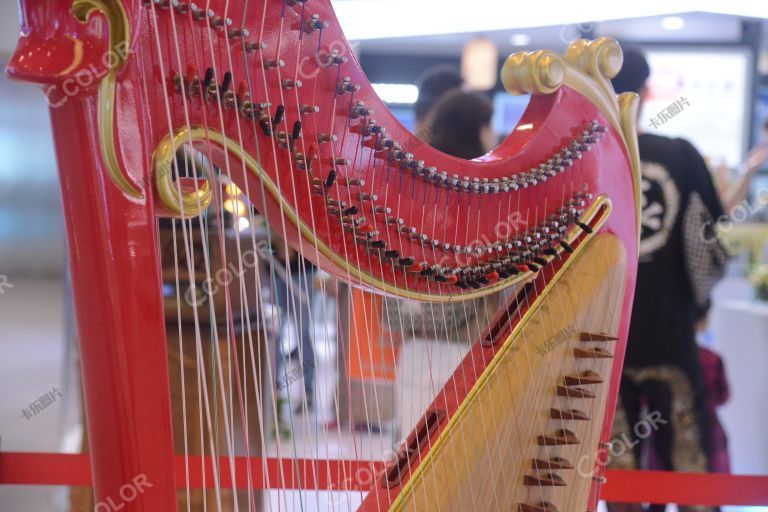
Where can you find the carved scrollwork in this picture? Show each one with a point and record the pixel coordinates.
(587, 67)
(119, 48)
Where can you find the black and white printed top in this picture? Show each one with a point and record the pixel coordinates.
(680, 257)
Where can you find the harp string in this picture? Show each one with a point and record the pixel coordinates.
(276, 318)
(190, 269)
(438, 333)
(482, 305)
(284, 318)
(344, 357)
(428, 347)
(245, 307)
(353, 317)
(308, 184)
(227, 405)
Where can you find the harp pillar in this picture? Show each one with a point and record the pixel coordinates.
(113, 246)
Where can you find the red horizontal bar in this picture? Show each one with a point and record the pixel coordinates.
(711, 489)
(621, 486)
(75, 470)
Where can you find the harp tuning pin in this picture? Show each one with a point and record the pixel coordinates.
(248, 109)
(382, 209)
(333, 59)
(309, 109)
(216, 21)
(181, 7)
(414, 165)
(344, 86)
(365, 196)
(314, 23)
(387, 143)
(163, 4)
(290, 84)
(353, 182)
(234, 33)
(199, 14)
(274, 63)
(253, 46)
(326, 137)
(341, 161)
(301, 163)
(229, 99)
(360, 110)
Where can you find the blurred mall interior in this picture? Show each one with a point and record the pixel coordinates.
(710, 61)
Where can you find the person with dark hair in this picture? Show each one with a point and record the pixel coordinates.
(433, 84)
(661, 381)
(461, 125)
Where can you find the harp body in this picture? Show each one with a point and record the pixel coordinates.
(270, 94)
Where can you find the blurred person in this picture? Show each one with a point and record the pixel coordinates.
(734, 192)
(716, 394)
(461, 125)
(677, 269)
(433, 84)
(293, 287)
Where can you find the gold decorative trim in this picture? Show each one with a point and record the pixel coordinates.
(507, 346)
(587, 68)
(189, 204)
(194, 203)
(119, 45)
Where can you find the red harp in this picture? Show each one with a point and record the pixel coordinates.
(187, 134)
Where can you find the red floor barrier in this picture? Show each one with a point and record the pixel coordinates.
(621, 486)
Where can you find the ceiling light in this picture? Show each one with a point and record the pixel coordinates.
(480, 64)
(672, 22)
(520, 39)
(243, 223)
